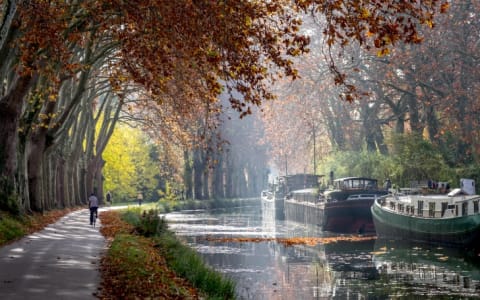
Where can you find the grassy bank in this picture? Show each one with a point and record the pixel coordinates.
(146, 260)
(15, 227)
(165, 206)
(168, 206)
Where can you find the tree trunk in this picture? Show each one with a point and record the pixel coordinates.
(228, 175)
(198, 169)
(218, 178)
(60, 183)
(12, 186)
(187, 175)
(206, 184)
(413, 111)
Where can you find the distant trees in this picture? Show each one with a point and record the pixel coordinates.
(132, 165)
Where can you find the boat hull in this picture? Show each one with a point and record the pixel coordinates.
(303, 212)
(455, 232)
(274, 204)
(349, 216)
(339, 217)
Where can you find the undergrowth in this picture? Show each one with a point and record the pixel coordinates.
(145, 254)
(14, 227)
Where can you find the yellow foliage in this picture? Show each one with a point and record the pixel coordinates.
(429, 23)
(248, 21)
(365, 13)
(383, 52)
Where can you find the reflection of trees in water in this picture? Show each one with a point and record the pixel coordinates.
(306, 272)
(352, 267)
(268, 219)
(413, 270)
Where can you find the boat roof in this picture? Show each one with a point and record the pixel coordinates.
(305, 191)
(354, 178)
(302, 175)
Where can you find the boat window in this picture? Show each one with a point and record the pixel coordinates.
(475, 207)
(444, 207)
(464, 208)
(431, 209)
(420, 208)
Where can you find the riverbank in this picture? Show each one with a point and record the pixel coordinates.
(146, 260)
(165, 206)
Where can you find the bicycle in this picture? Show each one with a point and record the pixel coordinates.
(93, 216)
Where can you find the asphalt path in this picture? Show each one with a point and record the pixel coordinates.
(60, 262)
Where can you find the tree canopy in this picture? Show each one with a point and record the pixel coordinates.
(69, 67)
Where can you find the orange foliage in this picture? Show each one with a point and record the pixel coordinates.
(38, 221)
(112, 224)
(137, 270)
(311, 241)
(203, 45)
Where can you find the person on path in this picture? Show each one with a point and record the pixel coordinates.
(140, 198)
(109, 198)
(93, 206)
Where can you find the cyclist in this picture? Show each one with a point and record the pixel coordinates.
(93, 206)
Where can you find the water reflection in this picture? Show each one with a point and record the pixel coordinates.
(411, 268)
(361, 270)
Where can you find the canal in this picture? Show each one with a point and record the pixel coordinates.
(273, 259)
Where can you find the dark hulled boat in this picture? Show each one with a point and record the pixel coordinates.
(345, 208)
(347, 205)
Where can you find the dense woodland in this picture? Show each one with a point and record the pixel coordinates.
(184, 72)
(418, 117)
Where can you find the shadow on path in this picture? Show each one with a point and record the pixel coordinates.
(59, 262)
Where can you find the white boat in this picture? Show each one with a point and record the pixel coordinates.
(451, 219)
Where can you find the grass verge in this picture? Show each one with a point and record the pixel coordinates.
(146, 260)
(168, 206)
(14, 227)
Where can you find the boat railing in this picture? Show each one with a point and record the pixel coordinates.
(395, 205)
(419, 206)
(360, 197)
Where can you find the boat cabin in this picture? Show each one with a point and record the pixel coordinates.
(349, 186)
(355, 183)
(305, 195)
(433, 206)
(267, 195)
(300, 181)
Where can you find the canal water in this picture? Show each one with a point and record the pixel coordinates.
(272, 259)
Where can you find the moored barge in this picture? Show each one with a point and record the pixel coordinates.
(451, 219)
(347, 205)
(345, 208)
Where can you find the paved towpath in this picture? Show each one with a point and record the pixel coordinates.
(59, 262)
